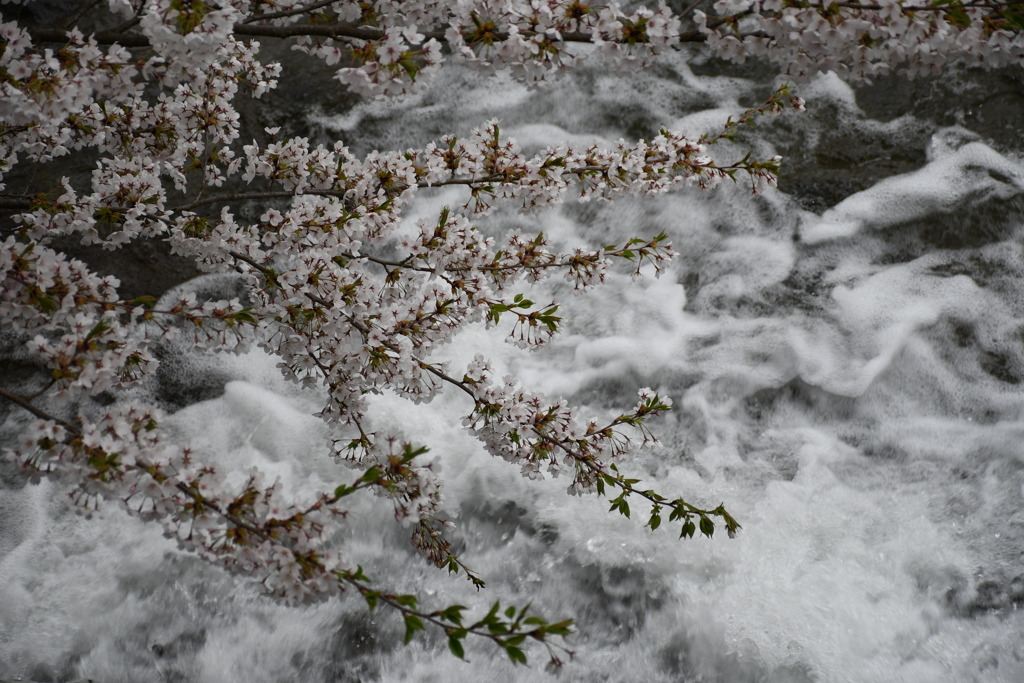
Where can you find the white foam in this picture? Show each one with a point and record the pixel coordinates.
(829, 87)
(973, 172)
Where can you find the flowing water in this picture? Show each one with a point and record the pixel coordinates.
(845, 356)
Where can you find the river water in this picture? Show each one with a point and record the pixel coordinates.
(845, 356)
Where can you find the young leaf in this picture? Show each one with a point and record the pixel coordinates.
(455, 645)
(707, 527)
(412, 624)
(655, 521)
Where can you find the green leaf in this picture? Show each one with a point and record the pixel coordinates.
(562, 628)
(412, 624)
(516, 655)
(497, 627)
(147, 301)
(98, 329)
(492, 613)
(688, 529)
(455, 645)
(246, 316)
(1013, 19)
(958, 17)
(452, 613)
(621, 505)
(371, 475)
(411, 452)
(515, 641)
(707, 527)
(406, 601)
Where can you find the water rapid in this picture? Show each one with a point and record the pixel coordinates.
(845, 356)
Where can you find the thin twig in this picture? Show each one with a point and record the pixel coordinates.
(353, 579)
(72, 18)
(288, 12)
(26, 404)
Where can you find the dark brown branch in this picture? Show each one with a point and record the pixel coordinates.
(239, 523)
(588, 460)
(26, 404)
(321, 30)
(288, 12)
(432, 618)
(243, 196)
(56, 35)
(15, 202)
(127, 24)
(248, 28)
(935, 8)
(246, 259)
(72, 18)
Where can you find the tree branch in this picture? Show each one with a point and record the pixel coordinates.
(506, 634)
(108, 37)
(288, 12)
(249, 28)
(26, 404)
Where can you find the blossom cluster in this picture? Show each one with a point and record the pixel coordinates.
(91, 340)
(523, 428)
(534, 39)
(865, 39)
(250, 528)
(84, 98)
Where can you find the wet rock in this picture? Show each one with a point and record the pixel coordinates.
(179, 385)
(995, 595)
(186, 643)
(353, 654)
(493, 523)
(797, 392)
(990, 595)
(622, 599)
(987, 102)
(687, 660)
(145, 267)
(1001, 366)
